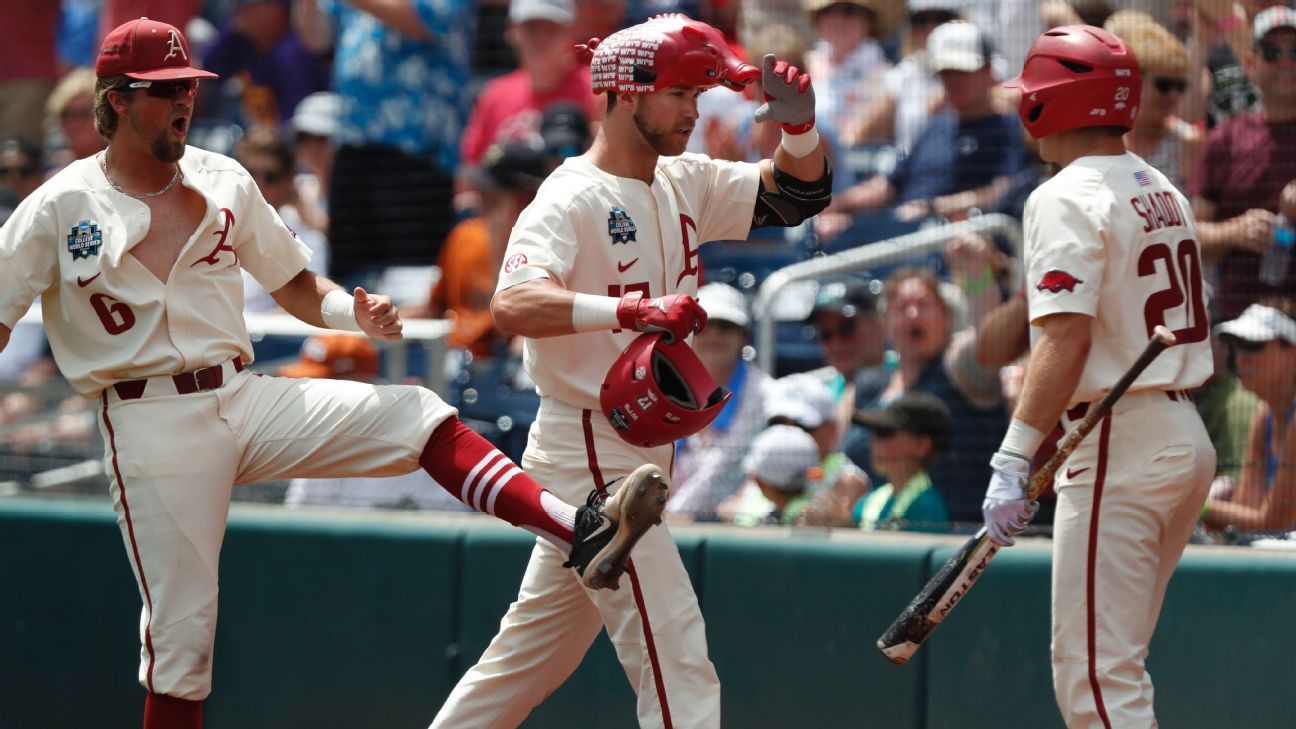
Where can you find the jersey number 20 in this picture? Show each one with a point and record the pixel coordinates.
(1185, 288)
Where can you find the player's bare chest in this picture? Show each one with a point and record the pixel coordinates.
(173, 220)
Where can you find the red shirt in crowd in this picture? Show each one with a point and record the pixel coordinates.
(509, 109)
(29, 37)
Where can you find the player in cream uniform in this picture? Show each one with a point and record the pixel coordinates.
(608, 249)
(137, 253)
(1111, 252)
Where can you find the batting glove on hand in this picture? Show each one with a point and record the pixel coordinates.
(1006, 510)
(789, 97)
(677, 315)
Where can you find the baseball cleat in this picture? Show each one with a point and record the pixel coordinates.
(606, 530)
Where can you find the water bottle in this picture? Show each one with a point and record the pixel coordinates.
(1276, 260)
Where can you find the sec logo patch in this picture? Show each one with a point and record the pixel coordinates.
(515, 262)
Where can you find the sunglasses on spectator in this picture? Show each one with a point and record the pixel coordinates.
(171, 90)
(844, 328)
(1169, 85)
(19, 170)
(1273, 53)
(1245, 345)
(930, 18)
(270, 177)
(83, 112)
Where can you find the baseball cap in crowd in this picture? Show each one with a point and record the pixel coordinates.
(724, 303)
(1279, 16)
(1259, 323)
(317, 114)
(147, 50)
(802, 399)
(558, 11)
(958, 45)
(782, 456)
(511, 166)
(919, 413)
(564, 129)
(846, 298)
(336, 356)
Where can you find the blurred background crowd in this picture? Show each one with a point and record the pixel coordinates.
(400, 139)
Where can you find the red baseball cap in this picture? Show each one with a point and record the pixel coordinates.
(148, 50)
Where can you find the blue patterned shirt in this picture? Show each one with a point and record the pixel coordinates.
(401, 92)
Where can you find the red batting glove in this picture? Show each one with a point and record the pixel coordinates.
(677, 315)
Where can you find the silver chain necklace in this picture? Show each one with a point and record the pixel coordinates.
(103, 164)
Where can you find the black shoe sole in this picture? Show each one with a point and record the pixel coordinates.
(640, 508)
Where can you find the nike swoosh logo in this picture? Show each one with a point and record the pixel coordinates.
(626, 266)
(86, 281)
(1073, 472)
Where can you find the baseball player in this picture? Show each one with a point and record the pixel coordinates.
(608, 248)
(1111, 252)
(136, 253)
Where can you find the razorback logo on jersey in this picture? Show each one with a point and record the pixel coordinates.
(85, 240)
(1056, 281)
(621, 227)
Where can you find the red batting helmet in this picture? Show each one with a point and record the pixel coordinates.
(662, 52)
(656, 393)
(1078, 76)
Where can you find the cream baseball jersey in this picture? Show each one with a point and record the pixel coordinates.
(1109, 236)
(595, 233)
(107, 317)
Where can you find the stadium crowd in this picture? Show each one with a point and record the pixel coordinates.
(400, 139)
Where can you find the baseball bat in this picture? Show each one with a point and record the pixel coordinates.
(951, 583)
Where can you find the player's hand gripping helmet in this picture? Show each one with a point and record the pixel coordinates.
(656, 393)
(1078, 76)
(662, 52)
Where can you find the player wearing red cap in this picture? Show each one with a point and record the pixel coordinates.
(136, 253)
(609, 248)
(1111, 253)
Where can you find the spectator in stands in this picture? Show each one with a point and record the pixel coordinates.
(937, 358)
(1263, 340)
(28, 36)
(272, 163)
(1160, 136)
(70, 110)
(258, 51)
(966, 158)
(909, 436)
(314, 123)
(779, 467)
(847, 62)
(400, 68)
(708, 464)
(1248, 160)
(507, 178)
(509, 107)
(848, 323)
(597, 19)
(21, 172)
(339, 356)
(1226, 408)
(911, 91)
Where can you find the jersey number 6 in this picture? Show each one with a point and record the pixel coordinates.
(1188, 262)
(115, 316)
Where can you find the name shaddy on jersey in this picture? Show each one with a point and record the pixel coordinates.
(1158, 210)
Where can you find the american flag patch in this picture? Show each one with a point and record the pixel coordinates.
(1142, 178)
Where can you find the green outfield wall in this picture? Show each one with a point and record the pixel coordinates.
(331, 620)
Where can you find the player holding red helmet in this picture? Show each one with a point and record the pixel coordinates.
(1111, 253)
(609, 248)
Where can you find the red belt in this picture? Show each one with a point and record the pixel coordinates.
(1082, 409)
(186, 383)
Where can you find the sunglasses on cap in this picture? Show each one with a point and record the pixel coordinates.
(844, 328)
(1168, 85)
(1273, 53)
(171, 90)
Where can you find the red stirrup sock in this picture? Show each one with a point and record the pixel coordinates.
(168, 712)
(468, 466)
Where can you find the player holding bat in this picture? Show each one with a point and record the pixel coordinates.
(1111, 259)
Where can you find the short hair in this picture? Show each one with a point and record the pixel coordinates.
(105, 115)
(75, 82)
(1158, 51)
(266, 142)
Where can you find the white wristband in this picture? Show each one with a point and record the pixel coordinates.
(591, 313)
(1021, 440)
(800, 145)
(338, 311)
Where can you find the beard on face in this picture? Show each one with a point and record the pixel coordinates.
(660, 139)
(163, 147)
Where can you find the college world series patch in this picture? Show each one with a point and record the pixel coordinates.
(85, 240)
(621, 227)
